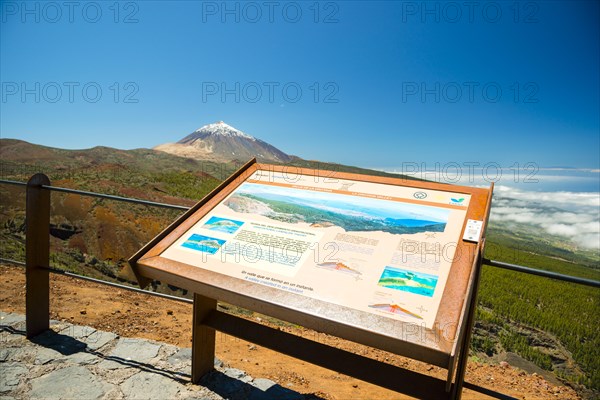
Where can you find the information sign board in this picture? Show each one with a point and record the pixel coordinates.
(388, 262)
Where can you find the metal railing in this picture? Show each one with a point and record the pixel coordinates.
(50, 269)
(101, 281)
(543, 273)
(101, 195)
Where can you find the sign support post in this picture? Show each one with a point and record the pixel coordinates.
(203, 338)
(463, 356)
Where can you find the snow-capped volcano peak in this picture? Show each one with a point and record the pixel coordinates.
(219, 141)
(221, 128)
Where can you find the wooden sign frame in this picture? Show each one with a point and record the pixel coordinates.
(444, 344)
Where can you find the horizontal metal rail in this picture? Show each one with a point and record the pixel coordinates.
(103, 282)
(493, 263)
(103, 196)
(17, 183)
(543, 273)
(116, 198)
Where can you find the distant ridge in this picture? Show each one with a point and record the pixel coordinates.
(222, 142)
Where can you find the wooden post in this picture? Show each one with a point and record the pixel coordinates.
(203, 338)
(37, 248)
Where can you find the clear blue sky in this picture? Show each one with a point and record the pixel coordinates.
(382, 82)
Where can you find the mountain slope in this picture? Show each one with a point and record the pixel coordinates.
(20, 158)
(92, 236)
(223, 142)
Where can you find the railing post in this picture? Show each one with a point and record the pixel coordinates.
(37, 248)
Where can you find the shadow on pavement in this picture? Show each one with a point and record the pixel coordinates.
(235, 389)
(218, 382)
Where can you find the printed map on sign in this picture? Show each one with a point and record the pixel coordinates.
(378, 248)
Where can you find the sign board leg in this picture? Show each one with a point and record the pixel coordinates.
(203, 338)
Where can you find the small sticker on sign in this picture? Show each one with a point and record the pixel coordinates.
(473, 231)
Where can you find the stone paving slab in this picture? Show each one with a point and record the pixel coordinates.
(141, 350)
(72, 382)
(80, 362)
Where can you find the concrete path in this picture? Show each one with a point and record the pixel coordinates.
(80, 362)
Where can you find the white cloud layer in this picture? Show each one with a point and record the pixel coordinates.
(527, 177)
(572, 215)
